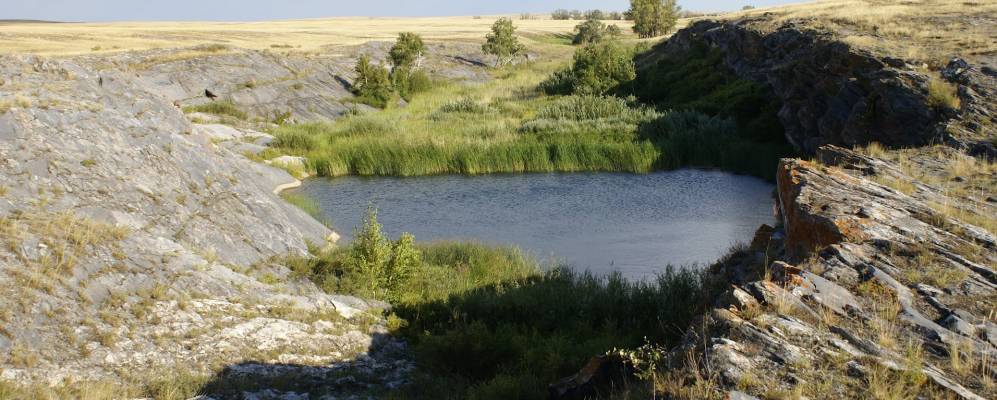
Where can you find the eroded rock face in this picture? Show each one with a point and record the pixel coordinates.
(132, 240)
(830, 92)
(871, 274)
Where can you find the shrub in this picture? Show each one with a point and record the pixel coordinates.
(599, 67)
(561, 81)
(943, 95)
(382, 265)
(372, 85)
(502, 42)
(408, 83)
(593, 31)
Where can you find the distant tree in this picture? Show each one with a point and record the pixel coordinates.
(407, 49)
(502, 42)
(748, 7)
(576, 14)
(594, 30)
(653, 17)
(615, 16)
(595, 14)
(560, 14)
(372, 84)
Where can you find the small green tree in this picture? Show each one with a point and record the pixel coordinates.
(404, 57)
(653, 17)
(382, 265)
(370, 252)
(372, 85)
(502, 42)
(407, 49)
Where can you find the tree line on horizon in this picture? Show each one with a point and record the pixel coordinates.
(651, 17)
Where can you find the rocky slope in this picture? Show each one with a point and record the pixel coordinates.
(881, 280)
(133, 242)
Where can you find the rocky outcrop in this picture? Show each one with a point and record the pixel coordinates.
(133, 241)
(831, 93)
(878, 291)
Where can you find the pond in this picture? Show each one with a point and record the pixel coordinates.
(634, 224)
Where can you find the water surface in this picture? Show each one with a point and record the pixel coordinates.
(635, 224)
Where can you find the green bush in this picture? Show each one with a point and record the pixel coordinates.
(560, 82)
(598, 68)
(593, 31)
(408, 83)
(372, 85)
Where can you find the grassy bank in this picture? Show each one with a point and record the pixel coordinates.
(506, 125)
(490, 322)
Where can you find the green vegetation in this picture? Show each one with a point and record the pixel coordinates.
(597, 68)
(562, 14)
(373, 84)
(222, 108)
(404, 55)
(593, 31)
(505, 125)
(488, 323)
(701, 82)
(654, 17)
(502, 42)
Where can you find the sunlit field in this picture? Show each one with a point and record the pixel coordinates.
(303, 35)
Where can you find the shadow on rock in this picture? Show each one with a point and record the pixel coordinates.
(383, 367)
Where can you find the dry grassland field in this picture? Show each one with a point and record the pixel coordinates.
(57, 39)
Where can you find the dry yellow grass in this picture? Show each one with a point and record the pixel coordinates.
(929, 31)
(304, 35)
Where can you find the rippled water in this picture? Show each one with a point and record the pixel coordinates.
(600, 221)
